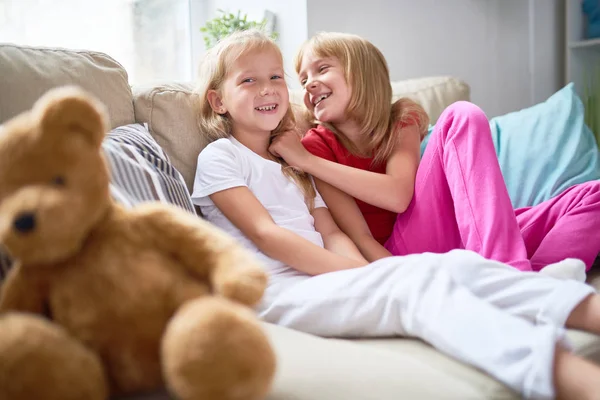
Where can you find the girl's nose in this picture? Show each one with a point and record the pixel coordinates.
(266, 90)
(310, 84)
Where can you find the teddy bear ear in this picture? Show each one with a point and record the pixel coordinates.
(70, 109)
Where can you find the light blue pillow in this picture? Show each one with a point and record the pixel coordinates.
(544, 149)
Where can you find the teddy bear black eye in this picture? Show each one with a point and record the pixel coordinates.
(58, 181)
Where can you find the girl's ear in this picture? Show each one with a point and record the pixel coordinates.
(215, 102)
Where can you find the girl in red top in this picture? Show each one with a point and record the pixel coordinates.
(365, 156)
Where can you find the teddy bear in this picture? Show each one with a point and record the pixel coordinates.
(103, 300)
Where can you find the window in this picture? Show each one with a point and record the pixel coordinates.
(150, 38)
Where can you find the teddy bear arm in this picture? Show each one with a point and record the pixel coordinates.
(207, 253)
(20, 294)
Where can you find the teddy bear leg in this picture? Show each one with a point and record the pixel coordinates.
(214, 348)
(40, 360)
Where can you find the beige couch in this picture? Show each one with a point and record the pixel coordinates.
(310, 368)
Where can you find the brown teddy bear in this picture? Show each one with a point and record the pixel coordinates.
(104, 300)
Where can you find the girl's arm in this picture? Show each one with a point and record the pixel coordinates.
(244, 210)
(348, 217)
(391, 191)
(333, 238)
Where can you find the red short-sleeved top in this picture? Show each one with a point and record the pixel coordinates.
(323, 143)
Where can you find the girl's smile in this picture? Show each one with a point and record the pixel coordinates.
(327, 94)
(254, 93)
(267, 108)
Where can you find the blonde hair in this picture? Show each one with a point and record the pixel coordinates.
(213, 71)
(366, 72)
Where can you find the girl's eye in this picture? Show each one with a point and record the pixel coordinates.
(323, 68)
(247, 80)
(276, 77)
(303, 82)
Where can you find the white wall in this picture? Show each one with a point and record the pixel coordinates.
(484, 42)
(290, 24)
(103, 26)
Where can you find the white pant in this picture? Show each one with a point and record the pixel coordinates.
(481, 312)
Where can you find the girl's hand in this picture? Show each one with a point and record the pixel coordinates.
(287, 145)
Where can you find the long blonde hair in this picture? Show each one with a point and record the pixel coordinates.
(213, 71)
(366, 72)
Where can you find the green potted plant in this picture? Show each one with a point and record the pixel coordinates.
(591, 102)
(227, 23)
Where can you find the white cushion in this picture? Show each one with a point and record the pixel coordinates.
(434, 94)
(313, 368)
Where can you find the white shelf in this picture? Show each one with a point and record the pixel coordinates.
(587, 43)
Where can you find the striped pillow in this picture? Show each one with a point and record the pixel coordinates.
(140, 171)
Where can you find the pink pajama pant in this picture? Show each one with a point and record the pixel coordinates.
(461, 202)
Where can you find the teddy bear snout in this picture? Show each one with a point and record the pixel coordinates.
(24, 222)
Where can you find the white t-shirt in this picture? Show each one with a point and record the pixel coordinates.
(227, 163)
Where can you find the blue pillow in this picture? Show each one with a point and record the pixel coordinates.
(544, 149)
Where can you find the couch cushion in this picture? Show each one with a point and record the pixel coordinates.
(169, 111)
(28, 72)
(312, 368)
(433, 93)
(584, 344)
